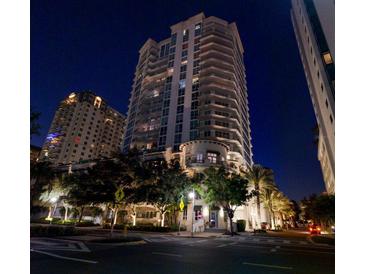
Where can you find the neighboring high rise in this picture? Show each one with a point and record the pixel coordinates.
(83, 128)
(314, 26)
(189, 97)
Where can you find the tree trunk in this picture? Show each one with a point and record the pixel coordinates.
(230, 216)
(81, 213)
(257, 188)
(113, 220)
(66, 211)
(231, 225)
(163, 219)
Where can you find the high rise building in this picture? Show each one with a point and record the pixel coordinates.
(189, 103)
(189, 97)
(83, 128)
(314, 27)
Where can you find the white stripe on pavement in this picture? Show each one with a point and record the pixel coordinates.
(269, 265)
(64, 257)
(167, 254)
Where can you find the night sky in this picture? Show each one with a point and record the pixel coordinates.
(93, 45)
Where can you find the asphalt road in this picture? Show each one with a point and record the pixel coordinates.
(168, 254)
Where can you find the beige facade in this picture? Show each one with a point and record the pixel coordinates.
(189, 103)
(84, 128)
(314, 26)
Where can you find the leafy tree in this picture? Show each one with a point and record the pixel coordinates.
(320, 209)
(42, 177)
(34, 125)
(165, 186)
(84, 190)
(228, 190)
(259, 178)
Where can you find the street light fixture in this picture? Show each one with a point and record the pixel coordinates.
(192, 196)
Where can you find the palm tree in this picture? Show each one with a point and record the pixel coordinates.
(259, 178)
(267, 196)
(282, 206)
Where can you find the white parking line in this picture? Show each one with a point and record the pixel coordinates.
(167, 254)
(63, 257)
(269, 265)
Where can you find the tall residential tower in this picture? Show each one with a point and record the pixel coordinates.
(189, 97)
(83, 128)
(189, 103)
(314, 26)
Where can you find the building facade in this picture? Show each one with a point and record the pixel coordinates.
(189, 103)
(84, 128)
(314, 27)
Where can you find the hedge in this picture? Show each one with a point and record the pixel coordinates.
(53, 231)
(146, 228)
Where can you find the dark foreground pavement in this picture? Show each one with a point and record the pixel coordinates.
(168, 254)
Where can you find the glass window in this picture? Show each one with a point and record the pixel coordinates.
(199, 158)
(180, 109)
(180, 100)
(212, 157)
(163, 131)
(179, 118)
(182, 84)
(173, 39)
(185, 35)
(327, 58)
(181, 92)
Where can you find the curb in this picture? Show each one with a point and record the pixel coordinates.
(120, 244)
(318, 244)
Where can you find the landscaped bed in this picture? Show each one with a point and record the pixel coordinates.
(117, 240)
(53, 231)
(323, 240)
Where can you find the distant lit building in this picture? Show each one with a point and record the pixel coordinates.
(189, 103)
(34, 153)
(314, 26)
(83, 128)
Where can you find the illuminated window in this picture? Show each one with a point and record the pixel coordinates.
(97, 101)
(199, 158)
(212, 157)
(72, 95)
(327, 58)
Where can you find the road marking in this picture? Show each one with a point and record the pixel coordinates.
(303, 242)
(270, 241)
(273, 250)
(167, 254)
(221, 245)
(201, 241)
(63, 257)
(255, 240)
(269, 265)
(286, 242)
(59, 244)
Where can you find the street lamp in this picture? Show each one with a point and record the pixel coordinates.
(192, 197)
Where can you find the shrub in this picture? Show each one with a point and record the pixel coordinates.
(44, 221)
(241, 225)
(53, 231)
(146, 228)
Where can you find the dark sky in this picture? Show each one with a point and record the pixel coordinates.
(93, 45)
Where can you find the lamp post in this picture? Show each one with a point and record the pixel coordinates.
(192, 196)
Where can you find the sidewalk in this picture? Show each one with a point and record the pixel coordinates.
(187, 234)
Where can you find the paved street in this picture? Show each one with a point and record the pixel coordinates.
(163, 253)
